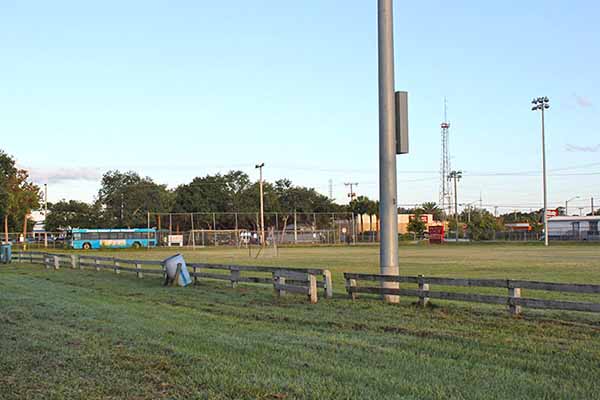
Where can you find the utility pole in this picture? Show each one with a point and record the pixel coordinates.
(456, 176)
(592, 206)
(262, 205)
(388, 208)
(542, 103)
(45, 215)
(351, 194)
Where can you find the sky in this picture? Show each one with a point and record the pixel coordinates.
(178, 89)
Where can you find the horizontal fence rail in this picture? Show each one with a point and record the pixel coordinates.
(514, 300)
(305, 281)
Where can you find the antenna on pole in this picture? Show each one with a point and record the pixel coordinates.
(445, 198)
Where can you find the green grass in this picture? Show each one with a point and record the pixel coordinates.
(96, 335)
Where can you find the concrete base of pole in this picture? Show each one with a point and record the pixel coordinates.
(388, 298)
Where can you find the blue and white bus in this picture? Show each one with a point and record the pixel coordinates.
(111, 238)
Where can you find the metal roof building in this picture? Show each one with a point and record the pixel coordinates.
(574, 228)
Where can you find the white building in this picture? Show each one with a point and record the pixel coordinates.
(574, 228)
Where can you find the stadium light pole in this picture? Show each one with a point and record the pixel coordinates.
(456, 176)
(262, 205)
(388, 208)
(542, 104)
(567, 205)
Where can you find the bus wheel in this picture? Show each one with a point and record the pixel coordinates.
(137, 245)
(87, 246)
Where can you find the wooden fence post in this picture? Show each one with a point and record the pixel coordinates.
(351, 283)
(312, 294)
(117, 265)
(195, 277)
(513, 293)
(328, 284)
(138, 272)
(234, 276)
(73, 261)
(56, 263)
(278, 280)
(423, 287)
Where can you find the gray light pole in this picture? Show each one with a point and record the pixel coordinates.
(567, 205)
(541, 104)
(262, 205)
(456, 175)
(388, 209)
(45, 215)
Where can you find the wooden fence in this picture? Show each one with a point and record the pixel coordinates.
(514, 301)
(305, 281)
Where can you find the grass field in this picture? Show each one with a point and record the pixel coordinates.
(96, 335)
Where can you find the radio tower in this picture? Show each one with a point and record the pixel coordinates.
(445, 186)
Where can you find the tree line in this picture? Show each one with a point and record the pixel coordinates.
(125, 198)
(18, 196)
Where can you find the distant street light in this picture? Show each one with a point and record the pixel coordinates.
(541, 104)
(567, 204)
(456, 175)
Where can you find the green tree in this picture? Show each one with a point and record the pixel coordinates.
(372, 209)
(359, 206)
(416, 225)
(126, 198)
(7, 170)
(72, 214)
(432, 208)
(18, 196)
(481, 224)
(534, 218)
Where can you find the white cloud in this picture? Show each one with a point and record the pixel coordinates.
(582, 149)
(57, 175)
(583, 101)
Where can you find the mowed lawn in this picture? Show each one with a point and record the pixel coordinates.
(98, 335)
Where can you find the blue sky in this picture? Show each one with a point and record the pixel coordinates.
(176, 89)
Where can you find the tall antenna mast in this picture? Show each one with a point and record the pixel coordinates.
(445, 199)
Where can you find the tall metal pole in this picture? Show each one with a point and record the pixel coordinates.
(388, 209)
(46, 215)
(456, 204)
(262, 206)
(545, 188)
(194, 233)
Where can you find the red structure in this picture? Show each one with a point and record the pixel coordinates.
(436, 234)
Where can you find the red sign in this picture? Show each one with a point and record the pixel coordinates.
(436, 234)
(552, 213)
(423, 218)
